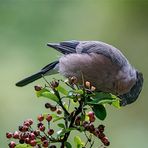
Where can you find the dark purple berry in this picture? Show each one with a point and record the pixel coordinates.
(47, 105)
(38, 88)
(101, 128)
(21, 141)
(39, 124)
(42, 128)
(50, 131)
(20, 128)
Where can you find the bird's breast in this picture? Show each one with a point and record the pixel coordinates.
(96, 68)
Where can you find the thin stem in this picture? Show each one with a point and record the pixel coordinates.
(92, 144)
(45, 80)
(60, 102)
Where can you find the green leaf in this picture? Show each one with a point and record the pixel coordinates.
(79, 91)
(102, 98)
(116, 103)
(47, 94)
(67, 144)
(105, 101)
(62, 90)
(78, 142)
(23, 146)
(58, 118)
(100, 111)
(61, 125)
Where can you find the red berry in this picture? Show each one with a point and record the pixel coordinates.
(43, 138)
(12, 144)
(45, 143)
(59, 111)
(91, 116)
(32, 136)
(50, 131)
(101, 135)
(36, 132)
(91, 128)
(33, 143)
(26, 123)
(16, 135)
(49, 118)
(9, 135)
(40, 118)
(105, 141)
(42, 128)
(92, 119)
(30, 121)
(25, 128)
(27, 140)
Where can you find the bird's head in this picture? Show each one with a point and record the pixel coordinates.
(134, 92)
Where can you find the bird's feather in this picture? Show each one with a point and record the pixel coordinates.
(37, 75)
(66, 47)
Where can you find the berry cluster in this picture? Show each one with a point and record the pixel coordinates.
(77, 119)
(27, 135)
(89, 126)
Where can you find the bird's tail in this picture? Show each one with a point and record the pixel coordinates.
(38, 75)
(29, 79)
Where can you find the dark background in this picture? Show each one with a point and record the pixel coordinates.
(27, 25)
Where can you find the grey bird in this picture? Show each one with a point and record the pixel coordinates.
(101, 64)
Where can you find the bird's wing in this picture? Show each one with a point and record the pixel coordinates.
(65, 47)
(68, 47)
(104, 49)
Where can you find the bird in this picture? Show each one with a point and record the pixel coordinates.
(102, 64)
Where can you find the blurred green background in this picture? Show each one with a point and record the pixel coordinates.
(27, 25)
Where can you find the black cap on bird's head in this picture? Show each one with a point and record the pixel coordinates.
(133, 94)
